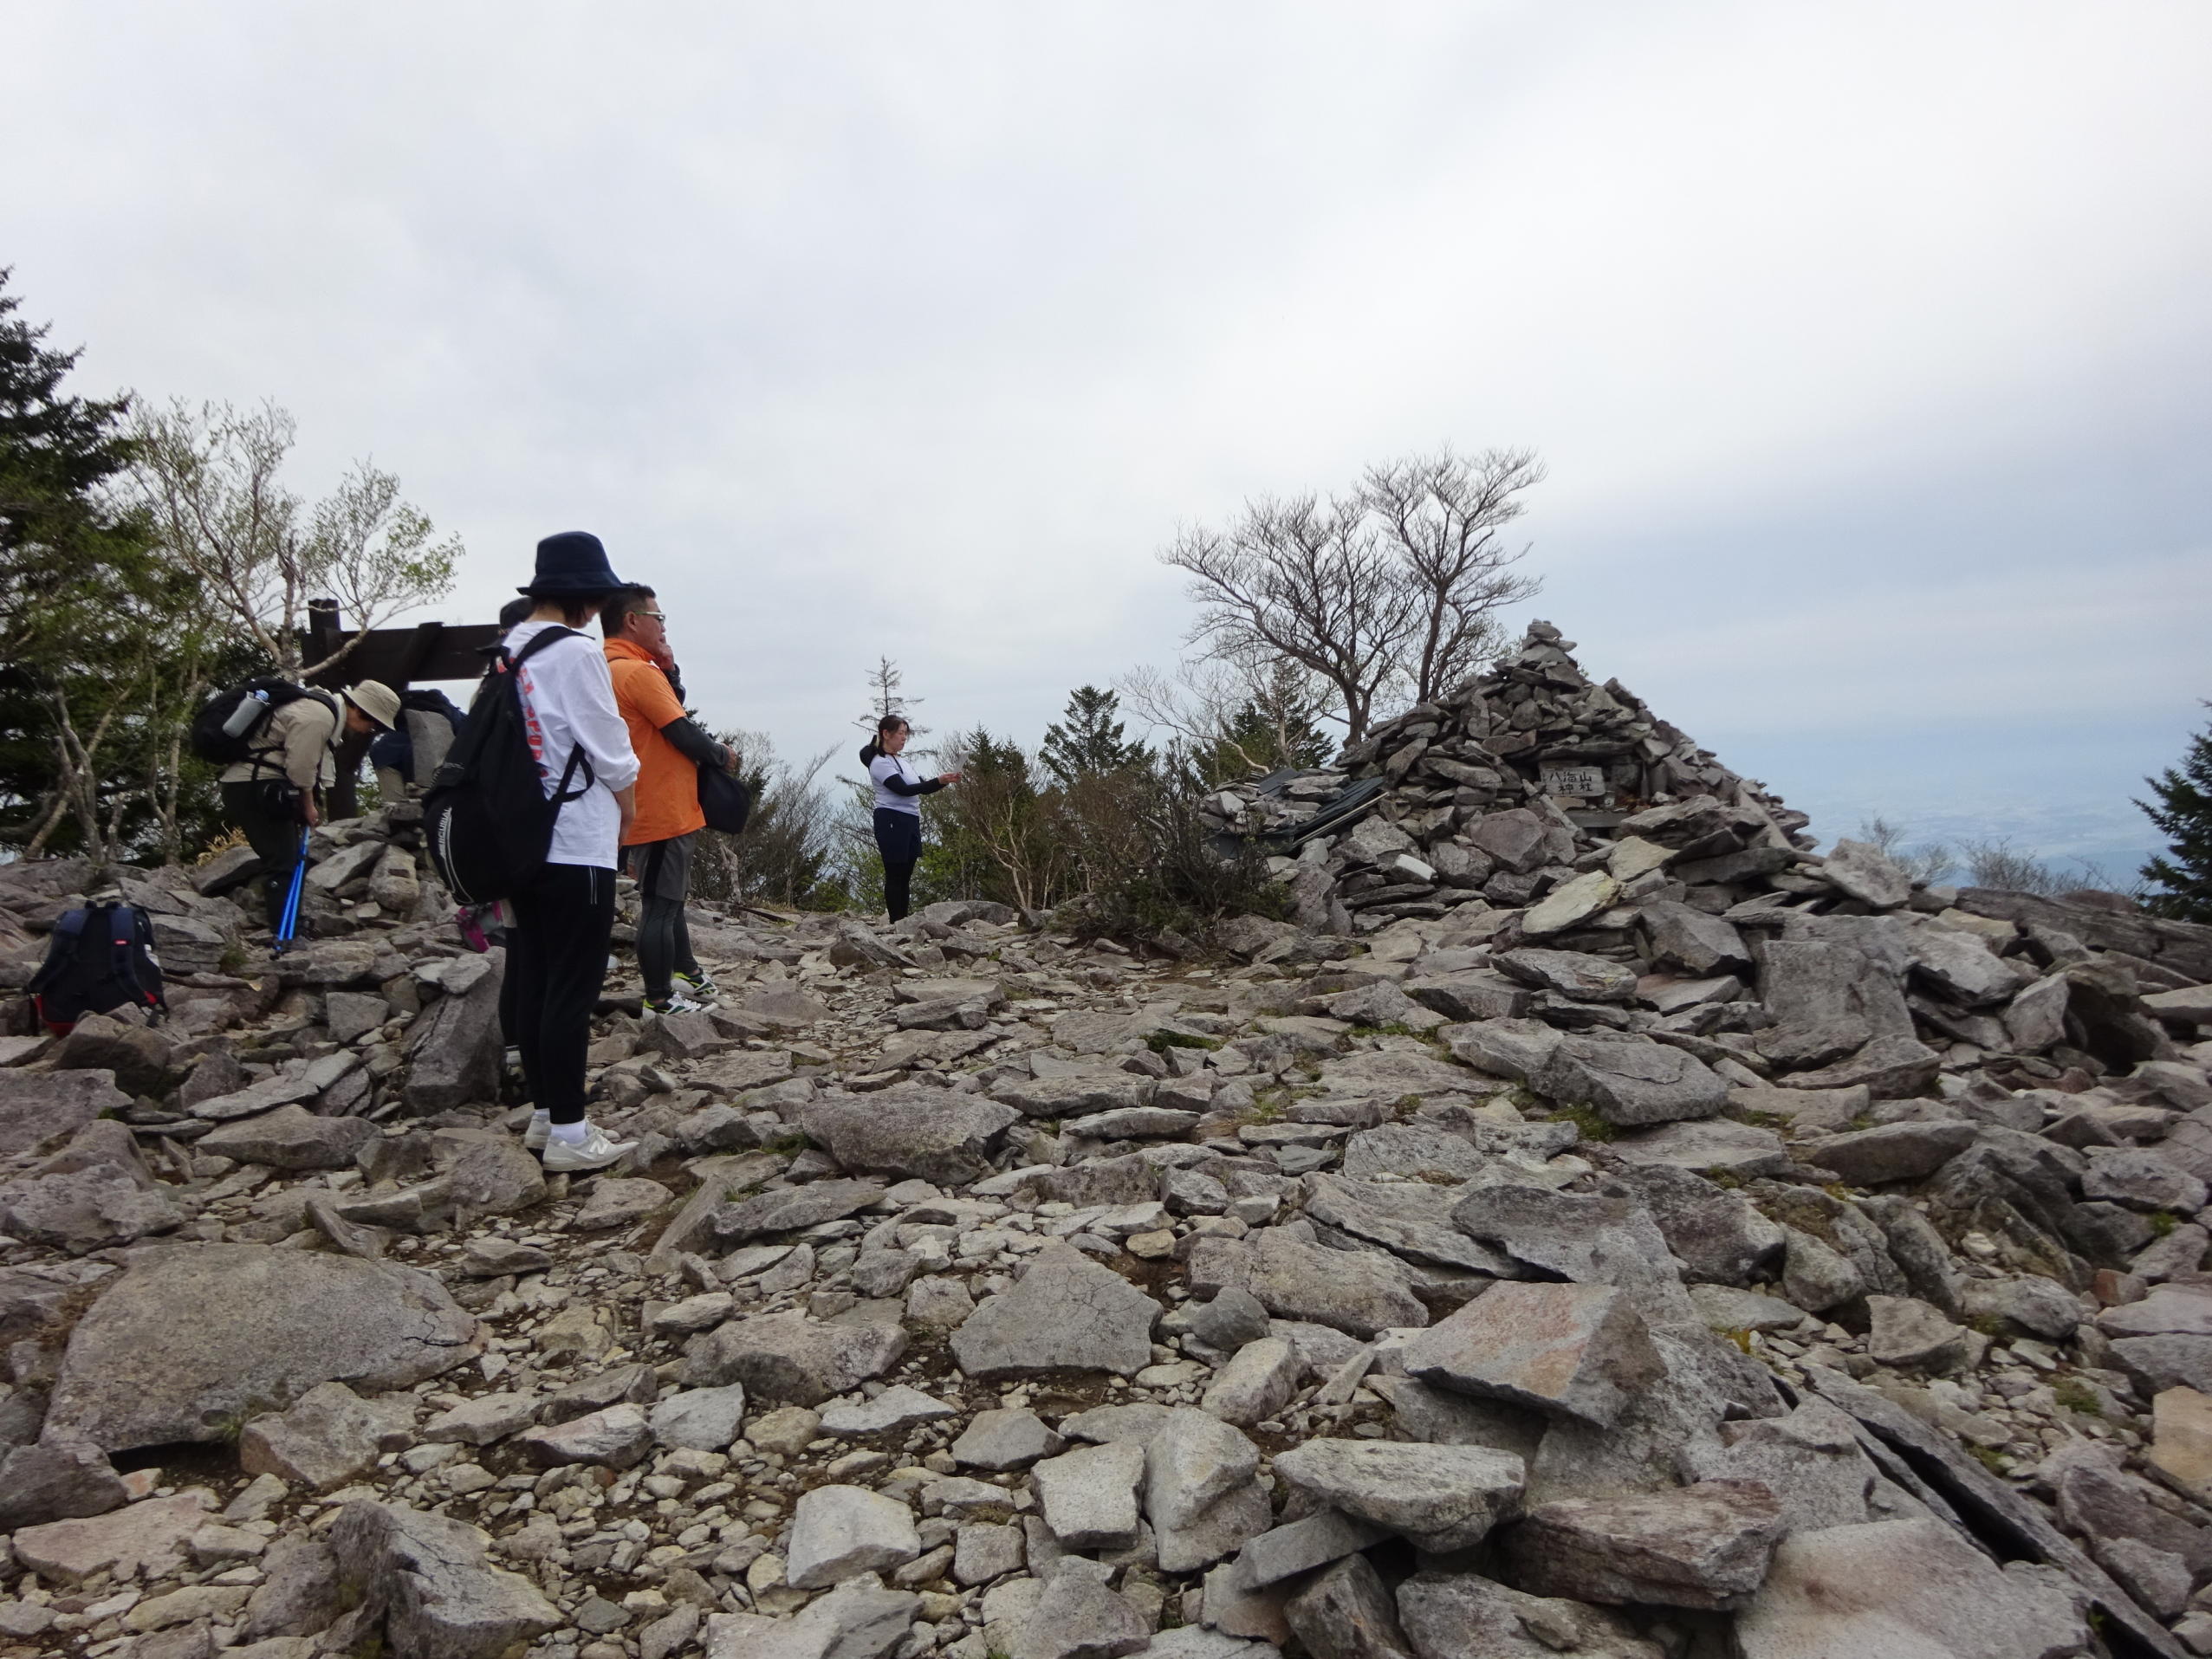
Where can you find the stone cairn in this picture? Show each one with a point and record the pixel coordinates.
(1597, 1224)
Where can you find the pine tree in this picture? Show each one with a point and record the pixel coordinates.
(1091, 744)
(104, 645)
(885, 699)
(2184, 817)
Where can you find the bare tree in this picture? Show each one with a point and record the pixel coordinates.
(1928, 862)
(1444, 514)
(1231, 719)
(208, 480)
(1387, 590)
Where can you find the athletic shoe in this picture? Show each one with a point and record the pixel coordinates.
(471, 930)
(678, 1003)
(539, 1132)
(595, 1151)
(700, 986)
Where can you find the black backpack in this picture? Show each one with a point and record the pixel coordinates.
(224, 728)
(486, 821)
(727, 801)
(98, 958)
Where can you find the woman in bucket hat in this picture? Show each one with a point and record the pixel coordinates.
(565, 918)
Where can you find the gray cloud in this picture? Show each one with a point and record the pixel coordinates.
(1866, 344)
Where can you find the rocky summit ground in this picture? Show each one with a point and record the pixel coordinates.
(1741, 1253)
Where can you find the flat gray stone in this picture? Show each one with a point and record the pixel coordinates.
(1464, 1616)
(1715, 1144)
(1201, 1492)
(1410, 1218)
(1440, 1497)
(1705, 1545)
(328, 1436)
(931, 1135)
(787, 1210)
(1631, 1083)
(1007, 1438)
(1066, 1312)
(701, 1419)
(421, 1580)
(1579, 1351)
(291, 1138)
(788, 1357)
(1904, 1152)
(614, 1438)
(1903, 1586)
(80, 1210)
(898, 1407)
(39, 1107)
(838, 1532)
(184, 1344)
(1301, 1546)
(1089, 1495)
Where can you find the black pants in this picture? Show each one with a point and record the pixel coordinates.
(556, 957)
(269, 811)
(899, 837)
(664, 872)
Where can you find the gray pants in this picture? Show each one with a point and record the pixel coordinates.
(664, 873)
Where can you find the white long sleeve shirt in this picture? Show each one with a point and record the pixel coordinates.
(569, 703)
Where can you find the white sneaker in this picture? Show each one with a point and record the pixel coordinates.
(539, 1132)
(678, 1003)
(700, 987)
(595, 1151)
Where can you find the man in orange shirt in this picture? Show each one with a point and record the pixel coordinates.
(670, 748)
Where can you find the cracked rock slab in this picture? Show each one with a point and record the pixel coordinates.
(189, 1342)
(1066, 1312)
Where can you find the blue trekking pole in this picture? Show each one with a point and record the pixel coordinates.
(289, 925)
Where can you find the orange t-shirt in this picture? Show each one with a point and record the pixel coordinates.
(668, 785)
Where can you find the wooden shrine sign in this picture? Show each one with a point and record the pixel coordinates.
(396, 656)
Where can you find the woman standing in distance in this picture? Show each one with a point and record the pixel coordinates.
(899, 809)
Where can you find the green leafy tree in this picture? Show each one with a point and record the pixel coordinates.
(2183, 815)
(106, 644)
(1090, 743)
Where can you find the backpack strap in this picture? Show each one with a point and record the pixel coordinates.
(562, 794)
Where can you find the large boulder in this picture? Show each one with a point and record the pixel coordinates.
(187, 1344)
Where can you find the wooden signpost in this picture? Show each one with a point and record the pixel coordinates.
(398, 657)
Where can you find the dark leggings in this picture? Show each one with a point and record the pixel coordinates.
(557, 958)
(664, 937)
(899, 837)
(267, 811)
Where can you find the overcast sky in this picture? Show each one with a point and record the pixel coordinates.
(1867, 346)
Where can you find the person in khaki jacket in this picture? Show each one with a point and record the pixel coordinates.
(270, 793)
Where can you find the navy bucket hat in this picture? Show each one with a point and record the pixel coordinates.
(574, 561)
